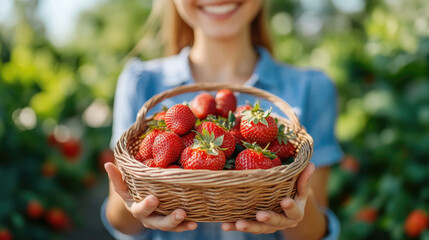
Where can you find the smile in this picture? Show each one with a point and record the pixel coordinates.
(220, 10)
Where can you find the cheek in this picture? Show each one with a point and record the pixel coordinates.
(187, 10)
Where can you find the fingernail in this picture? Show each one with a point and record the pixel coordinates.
(192, 225)
(151, 202)
(179, 217)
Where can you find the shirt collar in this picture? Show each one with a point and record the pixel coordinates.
(177, 70)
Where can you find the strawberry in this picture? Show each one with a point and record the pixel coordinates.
(149, 162)
(34, 209)
(254, 157)
(282, 146)
(205, 153)
(145, 148)
(258, 126)
(174, 166)
(235, 131)
(225, 102)
(180, 119)
(276, 162)
(160, 115)
(57, 218)
(416, 222)
(228, 140)
(5, 234)
(188, 139)
(367, 214)
(203, 105)
(71, 149)
(166, 149)
(240, 109)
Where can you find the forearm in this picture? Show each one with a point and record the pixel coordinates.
(119, 216)
(312, 226)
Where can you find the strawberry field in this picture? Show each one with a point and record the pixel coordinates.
(56, 103)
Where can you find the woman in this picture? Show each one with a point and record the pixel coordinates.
(226, 41)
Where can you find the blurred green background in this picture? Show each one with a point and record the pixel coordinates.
(60, 61)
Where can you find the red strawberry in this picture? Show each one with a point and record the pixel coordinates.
(204, 153)
(5, 234)
(203, 105)
(149, 162)
(282, 146)
(276, 162)
(367, 214)
(160, 116)
(180, 119)
(166, 149)
(240, 109)
(257, 126)
(188, 139)
(228, 140)
(349, 163)
(185, 155)
(34, 209)
(145, 148)
(416, 222)
(57, 219)
(71, 149)
(254, 157)
(225, 102)
(174, 166)
(235, 131)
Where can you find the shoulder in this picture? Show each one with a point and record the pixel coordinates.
(137, 70)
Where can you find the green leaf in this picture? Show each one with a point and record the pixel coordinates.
(264, 121)
(218, 141)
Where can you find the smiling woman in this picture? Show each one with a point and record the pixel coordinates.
(224, 41)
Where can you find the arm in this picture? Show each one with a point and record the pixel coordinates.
(314, 218)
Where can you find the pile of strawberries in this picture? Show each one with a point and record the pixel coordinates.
(212, 133)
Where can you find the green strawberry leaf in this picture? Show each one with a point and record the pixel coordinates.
(218, 141)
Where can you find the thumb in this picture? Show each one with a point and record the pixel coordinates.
(303, 182)
(119, 185)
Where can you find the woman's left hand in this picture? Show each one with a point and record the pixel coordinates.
(269, 221)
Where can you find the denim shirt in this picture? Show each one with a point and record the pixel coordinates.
(310, 93)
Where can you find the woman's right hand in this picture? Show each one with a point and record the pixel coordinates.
(143, 211)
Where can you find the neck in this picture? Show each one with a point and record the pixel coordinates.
(222, 60)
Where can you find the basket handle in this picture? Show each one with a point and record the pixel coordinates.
(139, 126)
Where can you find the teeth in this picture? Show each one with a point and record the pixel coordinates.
(221, 9)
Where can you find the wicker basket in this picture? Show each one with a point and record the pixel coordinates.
(212, 196)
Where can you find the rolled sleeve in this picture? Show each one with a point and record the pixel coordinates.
(321, 119)
(334, 226)
(115, 233)
(125, 105)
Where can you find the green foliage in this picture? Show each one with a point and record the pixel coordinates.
(378, 57)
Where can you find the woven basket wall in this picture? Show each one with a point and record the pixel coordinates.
(212, 196)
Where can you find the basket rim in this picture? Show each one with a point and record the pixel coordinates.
(128, 165)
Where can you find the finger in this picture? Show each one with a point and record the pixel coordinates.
(144, 208)
(228, 226)
(272, 218)
(185, 226)
(291, 208)
(303, 181)
(115, 177)
(166, 223)
(253, 227)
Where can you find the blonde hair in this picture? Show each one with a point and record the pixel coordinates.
(165, 31)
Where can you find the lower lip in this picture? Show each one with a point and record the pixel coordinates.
(220, 16)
